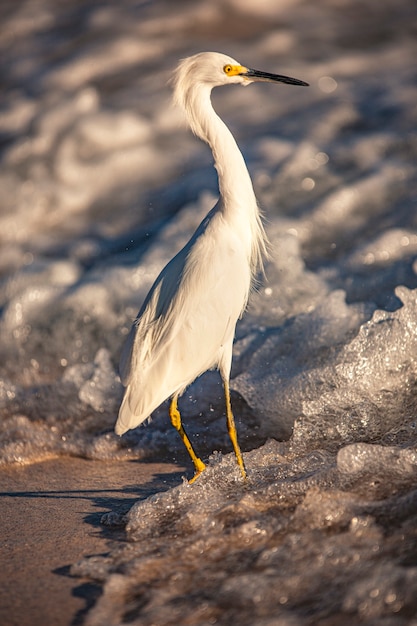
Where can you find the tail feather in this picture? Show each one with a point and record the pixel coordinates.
(125, 416)
(134, 409)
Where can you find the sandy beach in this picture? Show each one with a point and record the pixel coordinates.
(50, 518)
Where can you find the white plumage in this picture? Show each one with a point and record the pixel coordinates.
(187, 322)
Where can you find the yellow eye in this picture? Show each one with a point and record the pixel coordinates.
(227, 69)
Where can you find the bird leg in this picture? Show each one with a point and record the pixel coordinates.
(175, 416)
(232, 429)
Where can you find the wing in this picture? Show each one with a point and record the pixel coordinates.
(154, 320)
(186, 323)
(159, 313)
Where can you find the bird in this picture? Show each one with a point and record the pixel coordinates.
(187, 322)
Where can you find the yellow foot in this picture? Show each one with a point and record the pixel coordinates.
(199, 468)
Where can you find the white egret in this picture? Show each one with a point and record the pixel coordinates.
(187, 322)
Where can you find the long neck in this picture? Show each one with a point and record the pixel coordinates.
(235, 184)
(238, 201)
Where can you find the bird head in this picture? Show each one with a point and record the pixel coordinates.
(214, 69)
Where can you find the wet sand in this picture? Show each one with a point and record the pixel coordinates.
(50, 516)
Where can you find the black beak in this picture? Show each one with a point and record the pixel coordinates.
(257, 75)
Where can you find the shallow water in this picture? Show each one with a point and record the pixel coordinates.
(101, 185)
